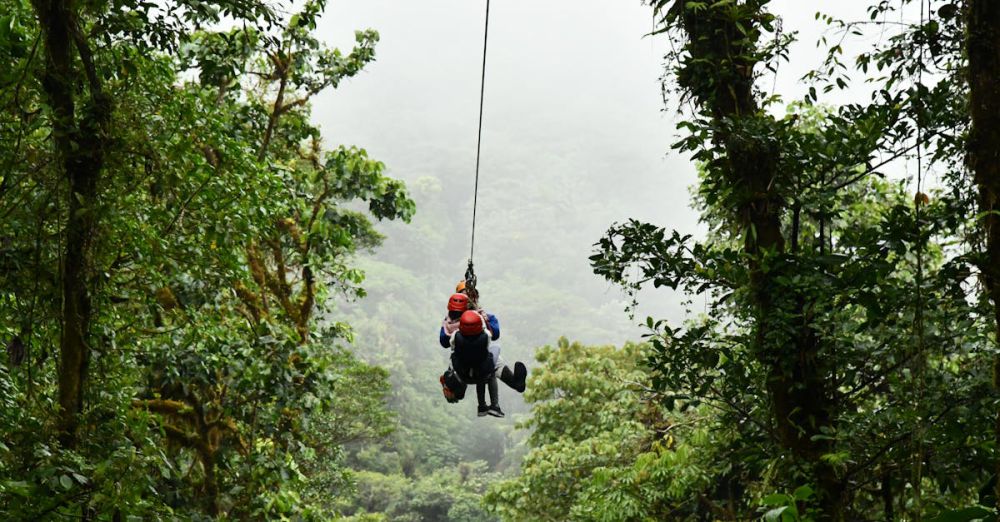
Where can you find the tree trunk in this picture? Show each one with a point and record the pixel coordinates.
(797, 385)
(888, 509)
(984, 151)
(272, 120)
(80, 149)
(211, 485)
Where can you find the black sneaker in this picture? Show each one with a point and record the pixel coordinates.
(495, 411)
(483, 409)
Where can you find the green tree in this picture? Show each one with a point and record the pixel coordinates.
(832, 294)
(983, 48)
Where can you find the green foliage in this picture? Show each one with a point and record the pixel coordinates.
(449, 493)
(216, 385)
(602, 446)
(784, 507)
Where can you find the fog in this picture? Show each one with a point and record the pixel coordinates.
(577, 135)
(575, 119)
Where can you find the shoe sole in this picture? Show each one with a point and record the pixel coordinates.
(496, 414)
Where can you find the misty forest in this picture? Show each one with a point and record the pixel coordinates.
(256, 257)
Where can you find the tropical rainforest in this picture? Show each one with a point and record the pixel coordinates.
(211, 310)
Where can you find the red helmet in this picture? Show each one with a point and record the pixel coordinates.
(470, 324)
(458, 303)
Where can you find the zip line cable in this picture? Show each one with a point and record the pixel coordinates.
(470, 275)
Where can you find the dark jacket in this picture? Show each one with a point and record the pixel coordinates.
(471, 358)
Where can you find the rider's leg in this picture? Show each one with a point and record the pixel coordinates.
(481, 396)
(514, 379)
(494, 349)
(494, 391)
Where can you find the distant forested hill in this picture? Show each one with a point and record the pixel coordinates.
(531, 261)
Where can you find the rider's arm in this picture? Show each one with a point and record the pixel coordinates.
(444, 339)
(494, 325)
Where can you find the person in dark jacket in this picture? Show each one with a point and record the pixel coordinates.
(475, 359)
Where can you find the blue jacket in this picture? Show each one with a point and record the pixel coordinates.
(491, 320)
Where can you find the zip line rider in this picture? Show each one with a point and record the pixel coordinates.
(472, 335)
